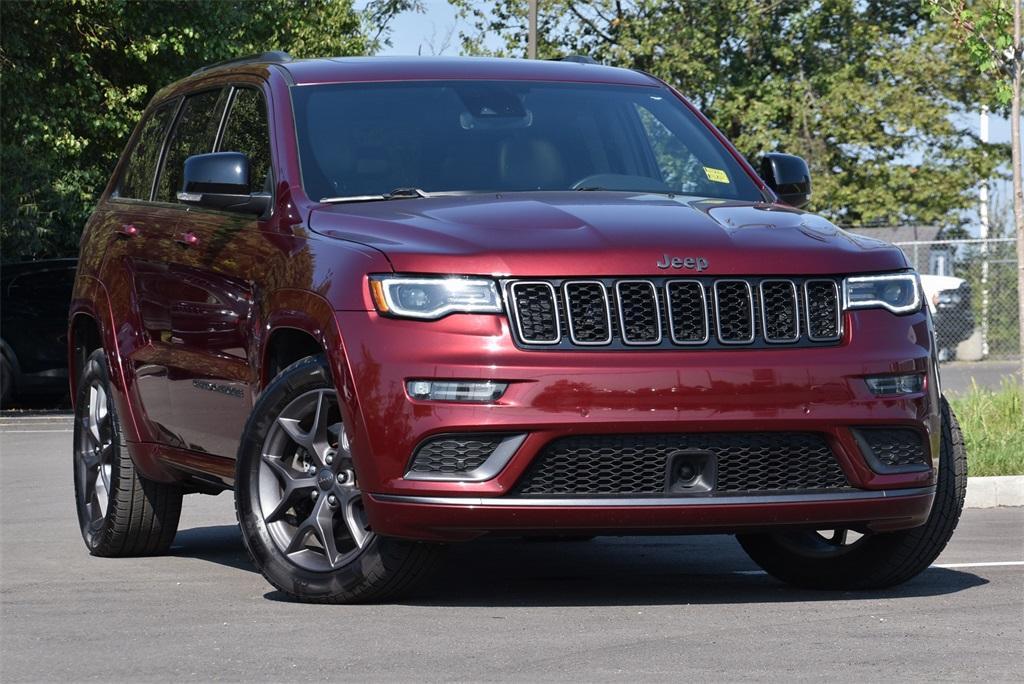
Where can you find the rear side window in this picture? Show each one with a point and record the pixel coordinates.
(137, 181)
(246, 131)
(194, 133)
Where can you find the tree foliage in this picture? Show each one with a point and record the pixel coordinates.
(866, 90)
(77, 74)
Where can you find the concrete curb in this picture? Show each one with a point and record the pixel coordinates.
(989, 492)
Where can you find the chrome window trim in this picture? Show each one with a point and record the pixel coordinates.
(622, 319)
(764, 312)
(750, 305)
(568, 312)
(703, 308)
(657, 501)
(839, 311)
(554, 304)
(487, 470)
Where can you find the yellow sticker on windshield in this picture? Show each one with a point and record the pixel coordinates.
(716, 175)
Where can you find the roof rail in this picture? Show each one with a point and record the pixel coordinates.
(579, 59)
(275, 57)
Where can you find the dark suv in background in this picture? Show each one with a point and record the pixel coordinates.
(34, 298)
(394, 303)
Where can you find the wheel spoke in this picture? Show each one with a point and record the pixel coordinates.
(292, 484)
(94, 420)
(322, 522)
(100, 493)
(315, 440)
(353, 521)
(105, 476)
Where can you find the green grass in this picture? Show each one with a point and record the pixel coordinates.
(993, 425)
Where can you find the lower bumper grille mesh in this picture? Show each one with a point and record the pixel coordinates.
(895, 447)
(454, 454)
(630, 465)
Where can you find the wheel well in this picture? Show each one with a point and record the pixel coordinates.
(85, 338)
(285, 347)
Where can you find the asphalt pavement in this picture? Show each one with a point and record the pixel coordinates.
(637, 608)
(958, 376)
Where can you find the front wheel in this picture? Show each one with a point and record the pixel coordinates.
(844, 559)
(299, 504)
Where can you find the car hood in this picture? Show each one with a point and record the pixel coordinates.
(601, 234)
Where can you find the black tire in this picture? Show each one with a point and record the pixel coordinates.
(875, 561)
(139, 516)
(383, 568)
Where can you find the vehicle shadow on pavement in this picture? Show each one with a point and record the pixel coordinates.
(606, 571)
(221, 544)
(634, 571)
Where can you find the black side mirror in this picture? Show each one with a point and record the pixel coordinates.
(788, 176)
(221, 181)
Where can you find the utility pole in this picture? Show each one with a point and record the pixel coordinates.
(983, 234)
(531, 40)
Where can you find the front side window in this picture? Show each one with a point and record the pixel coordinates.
(194, 132)
(497, 136)
(137, 182)
(246, 131)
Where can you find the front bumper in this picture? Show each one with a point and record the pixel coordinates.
(555, 394)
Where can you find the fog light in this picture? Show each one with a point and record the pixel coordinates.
(469, 391)
(893, 385)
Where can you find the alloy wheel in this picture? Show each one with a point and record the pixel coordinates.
(94, 458)
(308, 494)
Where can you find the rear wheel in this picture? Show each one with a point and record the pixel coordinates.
(845, 559)
(120, 513)
(299, 504)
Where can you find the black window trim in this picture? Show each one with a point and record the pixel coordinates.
(177, 102)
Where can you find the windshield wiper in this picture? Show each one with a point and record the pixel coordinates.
(397, 193)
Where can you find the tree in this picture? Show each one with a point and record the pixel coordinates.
(78, 74)
(864, 89)
(983, 29)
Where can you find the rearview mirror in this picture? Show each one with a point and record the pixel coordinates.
(220, 180)
(788, 176)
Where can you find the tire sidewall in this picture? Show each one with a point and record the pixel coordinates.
(308, 374)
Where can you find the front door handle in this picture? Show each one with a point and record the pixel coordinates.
(127, 230)
(188, 239)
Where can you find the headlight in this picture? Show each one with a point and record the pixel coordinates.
(899, 293)
(433, 298)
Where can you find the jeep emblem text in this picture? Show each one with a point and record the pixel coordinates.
(692, 263)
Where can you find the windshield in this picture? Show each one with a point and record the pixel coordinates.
(369, 139)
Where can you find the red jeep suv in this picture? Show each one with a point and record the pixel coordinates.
(394, 303)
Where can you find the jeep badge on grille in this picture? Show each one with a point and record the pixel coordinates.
(693, 263)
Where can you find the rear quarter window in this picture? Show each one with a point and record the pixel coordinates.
(137, 181)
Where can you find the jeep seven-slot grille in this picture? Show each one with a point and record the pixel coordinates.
(637, 465)
(702, 312)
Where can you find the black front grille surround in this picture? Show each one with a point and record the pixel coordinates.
(669, 313)
(631, 465)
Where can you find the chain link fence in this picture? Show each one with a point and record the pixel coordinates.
(971, 287)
